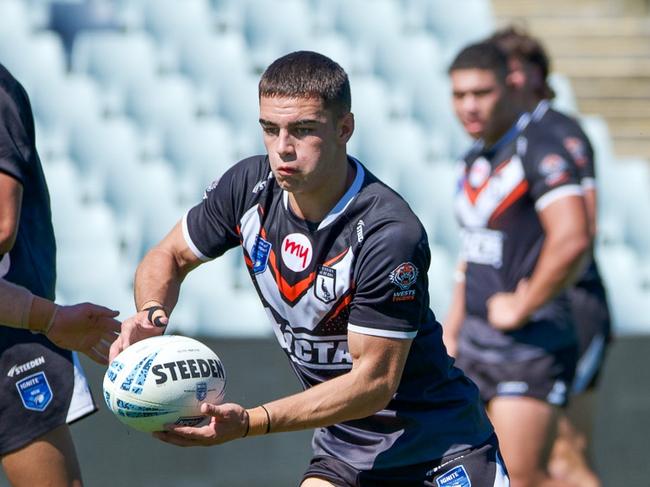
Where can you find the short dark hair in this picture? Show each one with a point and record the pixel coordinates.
(517, 43)
(307, 74)
(482, 55)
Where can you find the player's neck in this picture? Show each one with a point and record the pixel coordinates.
(314, 206)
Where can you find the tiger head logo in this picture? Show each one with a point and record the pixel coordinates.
(404, 275)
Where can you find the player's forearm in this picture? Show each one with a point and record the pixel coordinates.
(19, 308)
(560, 261)
(456, 313)
(344, 398)
(158, 280)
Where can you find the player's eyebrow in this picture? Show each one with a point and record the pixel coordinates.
(305, 121)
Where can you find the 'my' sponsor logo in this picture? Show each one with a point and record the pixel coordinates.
(318, 352)
(296, 252)
(16, 370)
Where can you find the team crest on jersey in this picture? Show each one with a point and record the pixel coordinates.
(554, 168)
(260, 254)
(404, 275)
(325, 284)
(479, 172)
(296, 252)
(456, 477)
(577, 150)
(35, 392)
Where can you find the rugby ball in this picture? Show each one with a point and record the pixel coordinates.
(163, 380)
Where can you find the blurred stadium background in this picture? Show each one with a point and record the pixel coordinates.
(140, 104)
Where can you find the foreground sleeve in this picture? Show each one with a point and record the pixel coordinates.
(391, 295)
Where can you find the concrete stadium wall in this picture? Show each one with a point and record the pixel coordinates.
(113, 455)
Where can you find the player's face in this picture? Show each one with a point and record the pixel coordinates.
(476, 97)
(305, 142)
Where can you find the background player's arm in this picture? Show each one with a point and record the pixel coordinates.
(566, 241)
(376, 372)
(11, 195)
(85, 327)
(158, 280)
(454, 319)
(591, 207)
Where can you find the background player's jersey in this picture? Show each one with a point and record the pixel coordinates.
(43, 385)
(501, 190)
(362, 269)
(575, 141)
(32, 261)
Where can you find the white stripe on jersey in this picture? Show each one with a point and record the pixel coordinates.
(308, 305)
(498, 187)
(190, 243)
(558, 194)
(345, 200)
(588, 183)
(364, 330)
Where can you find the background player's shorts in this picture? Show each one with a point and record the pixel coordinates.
(593, 327)
(42, 388)
(479, 467)
(547, 378)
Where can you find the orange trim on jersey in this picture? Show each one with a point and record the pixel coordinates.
(249, 262)
(502, 165)
(334, 260)
(291, 293)
(473, 193)
(509, 200)
(342, 305)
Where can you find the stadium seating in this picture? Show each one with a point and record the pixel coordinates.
(161, 98)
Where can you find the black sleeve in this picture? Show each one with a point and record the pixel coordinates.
(16, 142)
(549, 167)
(582, 153)
(211, 227)
(391, 294)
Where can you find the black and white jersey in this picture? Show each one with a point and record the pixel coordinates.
(575, 141)
(500, 192)
(43, 385)
(362, 269)
(32, 261)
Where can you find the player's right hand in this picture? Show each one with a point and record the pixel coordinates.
(136, 328)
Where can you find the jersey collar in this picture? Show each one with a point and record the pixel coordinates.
(345, 200)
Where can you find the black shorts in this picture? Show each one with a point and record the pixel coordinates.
(479, 467)
(547, 378)
(593, 327)
(43, 387)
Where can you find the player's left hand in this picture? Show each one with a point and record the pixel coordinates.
(505, 310)
(227, 422)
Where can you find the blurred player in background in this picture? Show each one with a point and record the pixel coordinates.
(529, 67)
(340, 264)
(525, 231)
(43, 386)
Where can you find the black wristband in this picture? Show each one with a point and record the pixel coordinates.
(248, 424)
(268, 420)
(156, 321)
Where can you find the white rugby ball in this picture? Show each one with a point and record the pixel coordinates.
(163, 380)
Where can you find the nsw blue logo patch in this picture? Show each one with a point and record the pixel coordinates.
(456, 477)
(201, 391)
(35, 392)
(260, 254)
